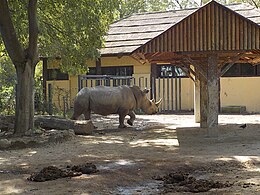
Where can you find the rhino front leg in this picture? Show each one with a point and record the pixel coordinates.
(132, 118)
(122, 114)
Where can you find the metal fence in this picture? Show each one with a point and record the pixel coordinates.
(169, 89)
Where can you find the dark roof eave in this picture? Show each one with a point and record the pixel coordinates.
(116, 54)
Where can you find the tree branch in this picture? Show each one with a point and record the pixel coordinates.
(178, 2)
(10, 39)
(33, 31)
(255, 3)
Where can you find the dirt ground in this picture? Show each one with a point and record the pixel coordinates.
(131, 160)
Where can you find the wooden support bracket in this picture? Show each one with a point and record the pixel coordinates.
(233, 61)
(188, 71)
(198, 67)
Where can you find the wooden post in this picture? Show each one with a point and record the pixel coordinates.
(153, 80)
(203, 101)
(44, 78)
(209, 94)
(197, 97)
(98, 66)
(50, 94)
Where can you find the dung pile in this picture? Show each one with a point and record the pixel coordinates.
(52, 172)
(183, 182)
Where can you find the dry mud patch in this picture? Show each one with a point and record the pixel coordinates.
(138, 160)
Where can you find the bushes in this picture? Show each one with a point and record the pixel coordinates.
(7, 86)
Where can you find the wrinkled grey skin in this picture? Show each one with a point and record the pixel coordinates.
(122, 100)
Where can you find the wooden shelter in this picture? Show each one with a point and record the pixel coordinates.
(201, 41)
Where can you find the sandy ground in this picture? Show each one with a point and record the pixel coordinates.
(129, 159)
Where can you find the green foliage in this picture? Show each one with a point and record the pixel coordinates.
(255, 3)
(40, 106)
(7, 86)
(74, 30)
(128, 7)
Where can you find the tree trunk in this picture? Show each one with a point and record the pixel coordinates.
(24, 98)
(24, 60)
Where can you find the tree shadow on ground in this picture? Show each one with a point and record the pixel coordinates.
(132, 156)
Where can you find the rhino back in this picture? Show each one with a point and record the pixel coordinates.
(108, 100)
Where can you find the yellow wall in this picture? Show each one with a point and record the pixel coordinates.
(73, 88)
(241, 91)
(116, 61)
(60, 89)
(53, 63)
(235, 91)
(187, 94)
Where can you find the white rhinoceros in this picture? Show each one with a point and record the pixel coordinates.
(122, 100)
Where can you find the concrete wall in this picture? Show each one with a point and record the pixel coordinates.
(241, 91)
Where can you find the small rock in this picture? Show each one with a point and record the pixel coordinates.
(19, 143)
(61, 135)
(5, 143)
(83, 127)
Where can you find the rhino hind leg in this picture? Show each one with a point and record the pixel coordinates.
(87, 114)
(75, 115)
(129, 122)
(132, 118)
(77, 111)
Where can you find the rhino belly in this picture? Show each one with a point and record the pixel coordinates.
(103, 109)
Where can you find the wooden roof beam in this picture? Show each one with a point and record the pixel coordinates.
(139, 57)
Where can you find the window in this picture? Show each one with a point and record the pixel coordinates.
(258, 70)
(247, 70)
(92, 71)
(242, 70)
(233, 70)
(114, 70)
(56, 74)
(169, 71)
(117, 70)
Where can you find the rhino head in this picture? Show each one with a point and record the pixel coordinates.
(148, 106)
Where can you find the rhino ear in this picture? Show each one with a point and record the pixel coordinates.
(145, 91)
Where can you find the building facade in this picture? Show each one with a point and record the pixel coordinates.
(136, 47)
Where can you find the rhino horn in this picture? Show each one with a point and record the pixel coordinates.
(158, 103)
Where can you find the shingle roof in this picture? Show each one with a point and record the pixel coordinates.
(128, 34)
